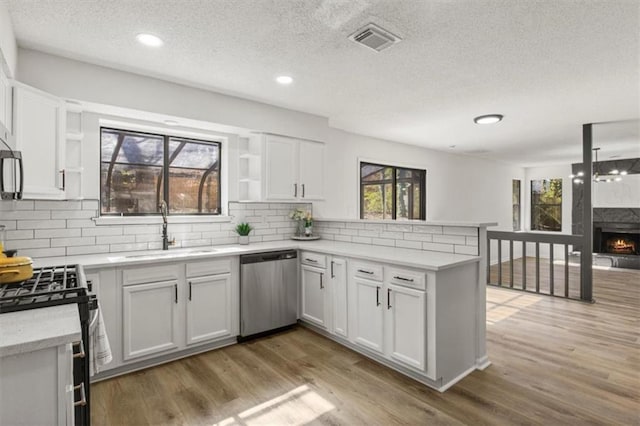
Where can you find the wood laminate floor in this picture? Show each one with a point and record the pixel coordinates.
(555, 362)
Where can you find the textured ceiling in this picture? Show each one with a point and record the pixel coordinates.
(548, 66)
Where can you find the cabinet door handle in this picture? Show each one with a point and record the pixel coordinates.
(81, 353)
(83, 395)
(388, 298)
(364, 271)
(321, 284)
(377, 296)
(295, 189)
(175, 287)
(62, 172)
(409, 280)
(310, 260)
(332, 274)
(189, 291)
(303, 190)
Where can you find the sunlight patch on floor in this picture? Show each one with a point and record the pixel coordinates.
(297, 407)
(502, 304)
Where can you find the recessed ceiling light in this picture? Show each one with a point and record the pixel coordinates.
(488, 119)
(284, 79)
(149, 40)
(171, 122)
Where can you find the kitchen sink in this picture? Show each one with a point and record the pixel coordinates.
(170, 254)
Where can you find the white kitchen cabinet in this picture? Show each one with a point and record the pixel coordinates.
(6, 108)
(314, 295)
(209, 308)
(40, 135)
(150, 318)
(281, 179)
(368, 327)
(294, 169)
(406, 309)
(338, 280)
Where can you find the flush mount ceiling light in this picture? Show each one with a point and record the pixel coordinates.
(149, 40)
(488, 119)
(284, 79)
(171, 122)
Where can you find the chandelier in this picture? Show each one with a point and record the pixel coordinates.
(614, 175)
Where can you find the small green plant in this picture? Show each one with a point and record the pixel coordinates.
(243, 229)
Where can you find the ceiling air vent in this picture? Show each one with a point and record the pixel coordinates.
(374, 37)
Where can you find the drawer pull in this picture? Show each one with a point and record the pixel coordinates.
(83, 395)
(409, 280)
(310, 260)
(81, 353)
(364, 271)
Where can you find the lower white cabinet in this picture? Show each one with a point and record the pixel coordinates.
(150, 318)
(368, 314)
(388, 318)
(314, 295)
(338, 277)
(406, 318)
(209, 308)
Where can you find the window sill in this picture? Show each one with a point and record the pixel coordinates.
(151, 220)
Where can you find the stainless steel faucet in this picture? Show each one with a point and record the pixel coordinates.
(165, 236)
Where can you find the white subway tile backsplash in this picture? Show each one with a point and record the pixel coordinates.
(11, 205)
(26, 215)
(460, 230)
(75, 241)
(142, 229)
(472, 241)
(80, 223)
(466, 250)
(115, 239)
(72, 214)
(43, 252)
(449, 239)
(19, 235)
(427, 229)
(410, 236)
(126, 247)
(57, 233)
(102, 230)
(41, 224)
(343, 238)
(78, 250)
(58, 205)
(90, 205)
(8, 224)
(361, 240)
(368, 233)
(273, 238)
(383, 242)
(31, 243)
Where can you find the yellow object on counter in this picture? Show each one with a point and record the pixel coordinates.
(15, 269)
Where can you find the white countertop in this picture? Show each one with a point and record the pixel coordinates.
(411, 222)
(430, 260)
(34, 329)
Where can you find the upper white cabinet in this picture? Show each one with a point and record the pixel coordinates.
(5, 107)
(40, 135)
(280, 168)
(281, 177)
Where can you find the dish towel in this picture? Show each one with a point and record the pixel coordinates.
(99, 348)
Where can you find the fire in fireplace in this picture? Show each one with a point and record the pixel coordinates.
(620, 245)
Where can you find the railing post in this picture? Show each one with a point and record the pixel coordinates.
(586, 254)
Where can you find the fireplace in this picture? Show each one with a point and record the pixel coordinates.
(617, 238)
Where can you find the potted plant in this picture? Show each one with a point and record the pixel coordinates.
(243, 229)
(302, 217)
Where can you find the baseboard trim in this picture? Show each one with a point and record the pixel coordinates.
(482, 363)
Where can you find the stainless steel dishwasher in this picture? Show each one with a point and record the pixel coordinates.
(268, 292)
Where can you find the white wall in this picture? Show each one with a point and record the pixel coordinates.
(8, 47)
(458, 187)
(79, 80)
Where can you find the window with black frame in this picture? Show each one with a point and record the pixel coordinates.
(546, 205)
(390, 192)
(515, 199)
(139, 170)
